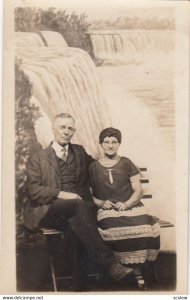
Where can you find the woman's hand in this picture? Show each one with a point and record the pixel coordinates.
(121, 206)
(108, 205)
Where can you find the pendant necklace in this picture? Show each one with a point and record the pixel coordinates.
(109, 163)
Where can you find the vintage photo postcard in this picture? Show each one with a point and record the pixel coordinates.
(95, 147)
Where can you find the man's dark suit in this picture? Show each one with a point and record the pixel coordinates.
(44, 182)
(44, 185)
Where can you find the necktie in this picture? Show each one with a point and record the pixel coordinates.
(63, 155)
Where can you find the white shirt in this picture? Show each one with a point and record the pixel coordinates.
(58, 149)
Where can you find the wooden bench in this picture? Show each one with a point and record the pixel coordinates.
(51, 233)
(163, 224)
(145, 181)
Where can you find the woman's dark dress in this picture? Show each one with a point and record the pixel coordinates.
(133, 234)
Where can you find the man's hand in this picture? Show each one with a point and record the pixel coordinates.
(68, 196)
(108, 205)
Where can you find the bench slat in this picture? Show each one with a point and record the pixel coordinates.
(50, 231)
(144, 180)
(162, 223)
(147, 196)
(143, 169)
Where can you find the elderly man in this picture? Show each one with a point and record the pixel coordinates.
(58, 181)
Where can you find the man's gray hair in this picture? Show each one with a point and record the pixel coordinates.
(63, 115)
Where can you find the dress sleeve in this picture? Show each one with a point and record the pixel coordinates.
(133, 169)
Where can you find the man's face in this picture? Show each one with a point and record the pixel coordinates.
(63, 129)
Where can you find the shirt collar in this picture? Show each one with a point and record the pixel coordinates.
(58, 148)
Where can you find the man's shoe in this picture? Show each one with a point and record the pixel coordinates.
(118, 271)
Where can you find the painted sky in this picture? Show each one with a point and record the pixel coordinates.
(101, 9)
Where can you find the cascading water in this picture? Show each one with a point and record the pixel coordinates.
(127, 46)
(65, 80)
(39, 39)
(53, 39)
(28, 39)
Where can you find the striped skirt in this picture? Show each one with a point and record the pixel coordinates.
(133, 234)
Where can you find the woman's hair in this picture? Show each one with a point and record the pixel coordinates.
(110, 132)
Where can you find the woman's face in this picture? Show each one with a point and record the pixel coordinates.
(110, 146)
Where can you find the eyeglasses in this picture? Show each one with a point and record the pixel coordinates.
(113, 143)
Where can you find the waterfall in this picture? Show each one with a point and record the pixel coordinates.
(130, 46)
(53, 39)
(65, 80)
(28, 39)
(40, 39)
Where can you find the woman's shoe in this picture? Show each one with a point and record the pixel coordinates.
(141, 282)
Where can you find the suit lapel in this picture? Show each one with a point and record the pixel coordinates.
(51, 157)
(77, 159)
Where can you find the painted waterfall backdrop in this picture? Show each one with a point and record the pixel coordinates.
(137, 69)
(126, 80)
(64, 79)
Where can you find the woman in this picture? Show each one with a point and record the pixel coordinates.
(123, 221)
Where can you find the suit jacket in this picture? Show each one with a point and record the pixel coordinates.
(44, 180)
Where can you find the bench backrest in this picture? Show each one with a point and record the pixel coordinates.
(147, 195)
(145, 183)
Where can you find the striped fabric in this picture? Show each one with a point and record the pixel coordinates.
(133, 235)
